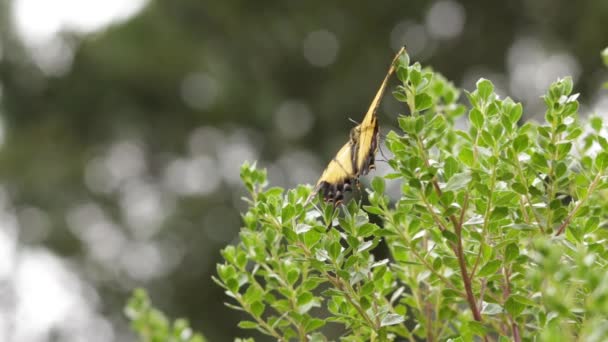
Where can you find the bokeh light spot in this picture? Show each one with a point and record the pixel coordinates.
(39, 24)
(50, 297)
(300, 166)
(532, 69)
(124, 160)
(35, 225)
(197, 176)
(102, 238)
(145, 207)
(320, 48)
(39, 20)
(8, 235)
(293, 119)
(237, 149)
(142, 260)
(205, 140)
(412, 35)
(199, 90)
(445, 19)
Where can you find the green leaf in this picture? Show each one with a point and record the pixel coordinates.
(407, 124)
(392, 319)
(475, 219)
(257, 309)
(511, 252)
(476, 118)
(304, 298)
(514, 307)
(232, 284)
(488, 138)
(247, 325)
(311, 238)
(596, 123)
(364, 246)
(415, 77)
(253, 294)
(404, 61)
(563, 149)
(539, 160)
(592, 224)
(524, 300)
(302, 228)
(419, 126)
(520, 143)
(566, 85)
(490, 309)
(484, 88)
(605, 56)
(515, 113)
(450, 167)
(373, 210)
(458, 181)
(490, 268)
(423, 101)
(519, 188)
(477, 328)
(499, 212)
(314, 324)
(287, 213)
(367, 289)
(466, 156)
(400, 96)
(449, 236)
(601, 161)
(226, 272)
(292, 276)
(334, 250)
(312, 282)
(378, 185)
(402, 73)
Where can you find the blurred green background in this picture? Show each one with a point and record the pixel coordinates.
(123, 125)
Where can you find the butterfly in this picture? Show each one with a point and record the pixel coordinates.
(357, 156)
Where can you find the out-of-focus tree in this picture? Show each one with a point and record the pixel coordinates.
(121, 148)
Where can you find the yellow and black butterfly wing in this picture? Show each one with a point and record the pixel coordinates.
(338, 176)
(357, 156)
(367, 142)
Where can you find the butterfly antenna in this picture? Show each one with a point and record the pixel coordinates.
(382, 153)
(353, 121)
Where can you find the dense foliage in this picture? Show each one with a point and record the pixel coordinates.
(89, 143)
(498, 231)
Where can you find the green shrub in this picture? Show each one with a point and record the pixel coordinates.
(498, 233)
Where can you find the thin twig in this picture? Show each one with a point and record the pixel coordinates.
(583, 200)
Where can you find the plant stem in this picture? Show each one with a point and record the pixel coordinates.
(269, 329)
(345, 288)
(506, 294)
(458, 248)
(583, 200)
